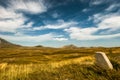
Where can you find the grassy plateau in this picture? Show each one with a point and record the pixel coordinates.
(43, 63)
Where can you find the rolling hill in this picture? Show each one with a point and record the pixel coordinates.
(71, 46)
(5, 44)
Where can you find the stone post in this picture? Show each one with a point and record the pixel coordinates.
(103, 61)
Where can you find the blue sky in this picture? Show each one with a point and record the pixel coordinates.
(61, 22)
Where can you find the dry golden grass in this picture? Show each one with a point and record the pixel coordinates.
(56, 64)
(87, 60)
(3, 66)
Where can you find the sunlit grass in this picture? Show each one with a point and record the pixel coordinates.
(87, 60)
(56, 64)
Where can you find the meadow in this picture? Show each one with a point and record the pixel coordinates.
(44, 63)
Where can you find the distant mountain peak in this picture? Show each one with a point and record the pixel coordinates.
(5, 44)
(39, 46)
(71, 46)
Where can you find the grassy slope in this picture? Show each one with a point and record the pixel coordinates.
(6, 44)
(36, 63)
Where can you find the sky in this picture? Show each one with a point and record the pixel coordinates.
(56, 23)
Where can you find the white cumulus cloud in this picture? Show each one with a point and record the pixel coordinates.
(59, 25)
(111, 22)
(11, 19)
(61, 39)
(87, 34)
(107, 25)
(32, 6)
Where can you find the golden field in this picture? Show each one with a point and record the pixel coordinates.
(44, 63)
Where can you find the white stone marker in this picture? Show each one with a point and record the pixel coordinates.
(103, 61)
